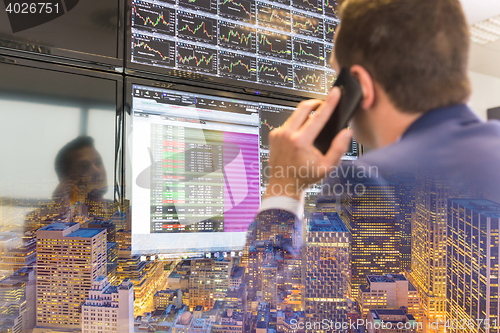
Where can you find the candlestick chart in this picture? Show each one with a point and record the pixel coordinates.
(276, 73)
(197, 58)
(275, 44)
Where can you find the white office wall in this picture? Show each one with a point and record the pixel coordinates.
(485, 93)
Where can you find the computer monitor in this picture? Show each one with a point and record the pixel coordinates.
(268, 47)
(493, 113)
(86, 33)
(198, 160)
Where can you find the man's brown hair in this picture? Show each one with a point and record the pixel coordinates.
(417, 50)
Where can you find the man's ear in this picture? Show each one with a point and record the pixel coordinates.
(367, 85)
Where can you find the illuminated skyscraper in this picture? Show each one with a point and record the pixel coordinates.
(236, 299)
(202, 283)
(112, 261)
(19, 257)
(109, 309)
(209, 281)
(327, 268)
(266, 278)
(292, 272)
(237, 276)
(69, 259)
(222, 267)
(372, 217)
(391, 291)
(256, 254)
(405, 192)
(326, 204)
(428, 267)
(147, 276)
(163, 298)
(269, 275)
(17, 301)
(472, 294)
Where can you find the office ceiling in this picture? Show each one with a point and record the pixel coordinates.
(483, 59)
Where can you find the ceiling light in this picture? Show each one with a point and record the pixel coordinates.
(485, 32)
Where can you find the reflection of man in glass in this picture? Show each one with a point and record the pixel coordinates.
(81, 173)
(82, 185)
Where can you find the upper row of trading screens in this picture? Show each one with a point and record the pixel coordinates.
(283, 44)
(278, 46)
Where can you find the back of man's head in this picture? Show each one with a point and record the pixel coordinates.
(417, 50)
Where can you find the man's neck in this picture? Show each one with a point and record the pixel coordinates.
(394, 125)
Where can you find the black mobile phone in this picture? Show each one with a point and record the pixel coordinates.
(352, 95)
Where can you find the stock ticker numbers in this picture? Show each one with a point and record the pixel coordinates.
(282, 43)
(187, 192)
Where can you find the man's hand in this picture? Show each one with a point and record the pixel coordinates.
(295, 163)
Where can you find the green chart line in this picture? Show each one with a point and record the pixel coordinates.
(198, 61)
(265, 68)
(146, 46)
(308, 23)
(148, 19)
(232, 33)
(302, 51)
(237, 63)
(202, 25)
(263, 38)
(236, 4)
(315, 79)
